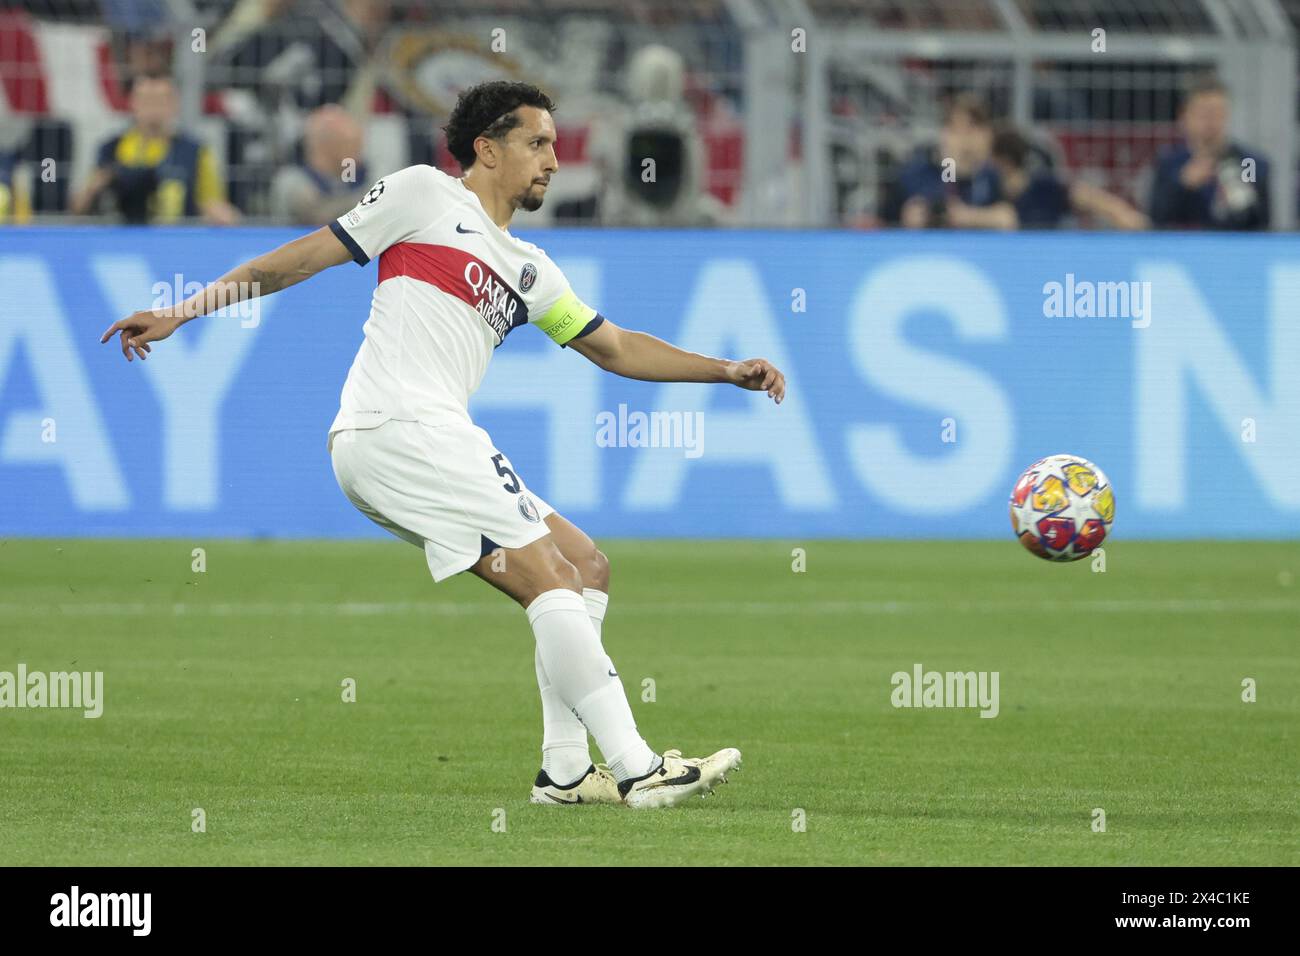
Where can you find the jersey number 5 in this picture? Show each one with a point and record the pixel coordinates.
(512, 485)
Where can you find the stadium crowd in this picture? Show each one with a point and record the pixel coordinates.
(295, 95)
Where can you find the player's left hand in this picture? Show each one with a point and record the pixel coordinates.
(758, 375)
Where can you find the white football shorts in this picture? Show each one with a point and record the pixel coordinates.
(444, 488)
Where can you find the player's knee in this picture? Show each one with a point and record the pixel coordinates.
(562, 573)
(596, 574)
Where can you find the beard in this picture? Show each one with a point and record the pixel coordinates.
(528, 201)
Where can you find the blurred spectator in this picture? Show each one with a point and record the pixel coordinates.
(315, 191)
(152, 173)
(1204, 182)
(956, 169)
(1033, 196)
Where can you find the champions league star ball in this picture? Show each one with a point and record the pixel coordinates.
(1062, 507)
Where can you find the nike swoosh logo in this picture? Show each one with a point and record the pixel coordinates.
(692, 774)
(459, 228)
(558, 800)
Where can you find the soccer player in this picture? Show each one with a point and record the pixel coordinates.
(453, 283)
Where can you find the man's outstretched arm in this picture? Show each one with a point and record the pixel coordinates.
(271, 272)
(641, 356)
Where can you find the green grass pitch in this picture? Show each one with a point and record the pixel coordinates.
(223, 691)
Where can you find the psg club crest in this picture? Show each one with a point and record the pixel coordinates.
(528, 509)
(527, 277)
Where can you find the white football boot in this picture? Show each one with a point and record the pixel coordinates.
(597, 785)
(677, 778)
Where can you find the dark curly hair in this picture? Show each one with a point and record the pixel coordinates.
(488, 109)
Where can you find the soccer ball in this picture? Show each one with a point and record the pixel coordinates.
(1062, 507)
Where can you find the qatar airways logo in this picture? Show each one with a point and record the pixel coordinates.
(494, 300)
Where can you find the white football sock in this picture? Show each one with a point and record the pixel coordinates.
(565, 754)
(597, 602)
(585, 680)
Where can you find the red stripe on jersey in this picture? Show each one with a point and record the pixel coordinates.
(460, 274)
(443, 266)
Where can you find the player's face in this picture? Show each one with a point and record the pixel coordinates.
(529, 159)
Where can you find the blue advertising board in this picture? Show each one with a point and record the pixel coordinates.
(925, 372)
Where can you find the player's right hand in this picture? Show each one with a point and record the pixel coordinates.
(139, 329)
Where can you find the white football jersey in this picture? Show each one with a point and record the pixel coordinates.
(452, 285)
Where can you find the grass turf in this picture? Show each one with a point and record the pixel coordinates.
(1119, 690)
